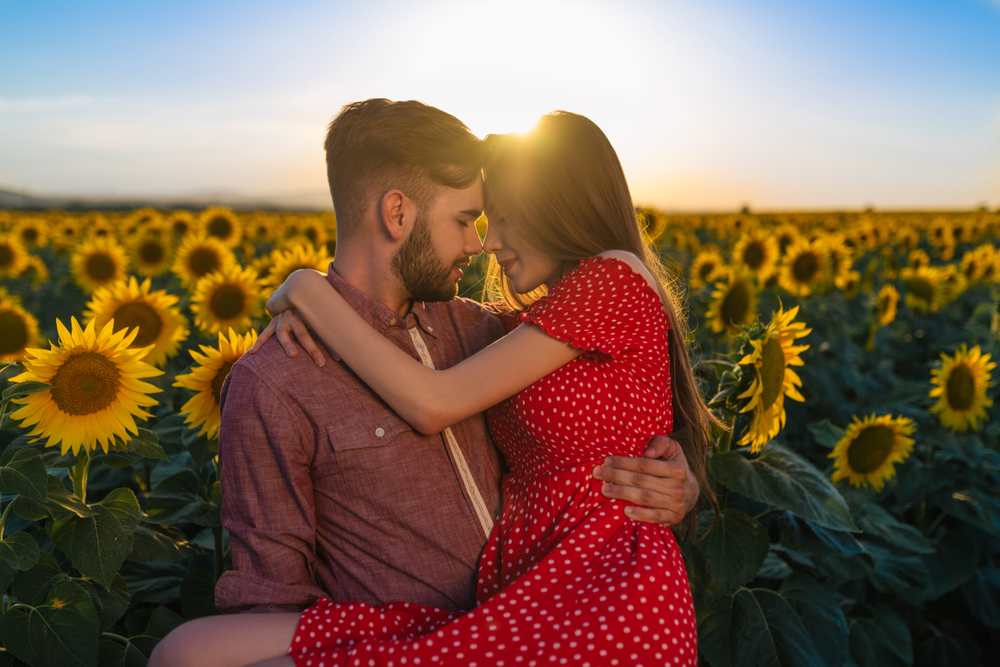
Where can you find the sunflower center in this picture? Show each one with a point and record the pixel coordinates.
(86, 383)
(784, 241)
(870, 449)
(13, 333)
(805, 267)
(100, 267)
(920, 288)
(141, 315)
(961, 388)
(735, 304)
(772, 372)
(180, 228)
(151, 252)
(706, 270)
(203, 261)
(29, 234)
(754, 255)
(228, 302)
(219, 378)
(6, 255)
(220, 227)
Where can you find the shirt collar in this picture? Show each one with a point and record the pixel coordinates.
(376, 313)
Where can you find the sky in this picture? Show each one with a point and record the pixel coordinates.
(711, 104)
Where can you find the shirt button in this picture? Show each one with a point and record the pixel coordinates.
(431, 329)
(392, 321)
(379, 432)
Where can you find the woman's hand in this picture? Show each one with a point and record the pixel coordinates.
(289, 329)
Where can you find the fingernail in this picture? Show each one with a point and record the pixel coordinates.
(604, 488)
(629, 512)
(598, 470)
(607, 461)
(321, 362)
(290, 352)
(649, 450)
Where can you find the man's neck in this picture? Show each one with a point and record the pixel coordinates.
(373, 275)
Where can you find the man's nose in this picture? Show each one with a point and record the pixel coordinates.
(473, 244)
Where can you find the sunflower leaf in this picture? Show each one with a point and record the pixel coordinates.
(153, 542)
(953, 564)
(110, 603)
(180, 499)
(97, 545)
(18, 553)
(881, 641)
(941, 650)
(198, 594)
(63, 631)
(59, 503)
(25, 474)
(826, 433)
(899, 572)
(735, 548)
(983, 596)
(137, 649)
(780, 478)
(804, 536)
(875, 521)
(146, 444)
(754, 627)
(20, 390)
(821, 616)
(32, 586)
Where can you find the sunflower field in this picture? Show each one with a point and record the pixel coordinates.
(850, 356)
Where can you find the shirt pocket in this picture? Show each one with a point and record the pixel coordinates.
(381, 470)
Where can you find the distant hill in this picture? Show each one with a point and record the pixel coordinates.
(10, 199)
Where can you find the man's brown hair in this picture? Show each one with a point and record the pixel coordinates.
(378, 145)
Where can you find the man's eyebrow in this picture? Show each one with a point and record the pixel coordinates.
(472, 213)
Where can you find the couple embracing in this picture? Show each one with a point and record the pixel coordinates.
(360, 480)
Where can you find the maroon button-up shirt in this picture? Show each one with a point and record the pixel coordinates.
(327, 492)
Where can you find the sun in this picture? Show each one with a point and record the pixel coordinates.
(97, 388)
(153, 315)
(773, 354)
(207, 377)
(870, 448)
(960, 386)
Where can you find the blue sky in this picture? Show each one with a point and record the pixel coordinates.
(711, 104)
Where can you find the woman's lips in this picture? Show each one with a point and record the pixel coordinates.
(506, 264)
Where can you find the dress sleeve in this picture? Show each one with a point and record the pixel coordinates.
(602, 307)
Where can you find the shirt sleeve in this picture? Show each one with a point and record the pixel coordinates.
(267, 502)
(602, 307)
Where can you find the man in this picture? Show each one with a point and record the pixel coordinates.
(325, 490)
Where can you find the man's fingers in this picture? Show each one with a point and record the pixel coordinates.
(264, 335)
(661, 447)
(658, 517)
(654, 467)
(669, 499)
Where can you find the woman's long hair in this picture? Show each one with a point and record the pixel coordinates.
(561, 187)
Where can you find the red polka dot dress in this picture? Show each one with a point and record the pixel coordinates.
(566, 577)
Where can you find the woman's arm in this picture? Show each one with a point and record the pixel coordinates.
(429, 400)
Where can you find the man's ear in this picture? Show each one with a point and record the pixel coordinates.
(399, 212)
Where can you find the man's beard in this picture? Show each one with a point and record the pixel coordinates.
(421, 271)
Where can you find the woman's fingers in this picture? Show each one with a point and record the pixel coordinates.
(264, 335)
(304, 337)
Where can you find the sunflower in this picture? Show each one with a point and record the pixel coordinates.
(849, 283)
(33, 232)
(151, 254)
(154, 315)
(734, 304)
(181, 222)
(960, 385)
(313, 230)
(786, 235)
(221, 223)
(924, 290)
(65, 233)
(651, 222)
(262, 266)
(18, 328)
(96, 388)
(297, 256)
(227, 300)
(98, 262)
(13, 256)
(199, 256)
(870, 448)
(962, 229)
(804, 267)
(939, 233)
(907, 236)
(773, 353)
(99, 227)
(706, 267)
(263, 228)
(207, 378)
(888, 300)
(757, 251)
(35, 270)
(917, 258)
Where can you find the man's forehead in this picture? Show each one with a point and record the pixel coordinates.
(466, 200)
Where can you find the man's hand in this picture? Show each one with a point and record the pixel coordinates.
(665, 489)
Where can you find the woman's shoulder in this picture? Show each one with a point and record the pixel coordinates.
(634, 263)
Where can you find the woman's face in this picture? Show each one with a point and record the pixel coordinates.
(525, 266)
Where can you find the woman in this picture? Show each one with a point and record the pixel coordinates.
(594, 368)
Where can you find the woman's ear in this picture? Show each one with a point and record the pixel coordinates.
(399, 212)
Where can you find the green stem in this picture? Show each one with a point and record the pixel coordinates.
(220, 558)
(3, 519)
(78, 473)
(935, 524)
(114, 636)
(767, 513)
